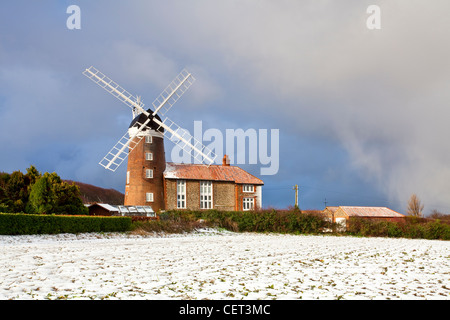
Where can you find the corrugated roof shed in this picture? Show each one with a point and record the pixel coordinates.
(106, 206)
(212, 172)
(381, 212)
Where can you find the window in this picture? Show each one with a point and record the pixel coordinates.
(128, 177)
(148, 173)
(181, 194)
(248, 188)
(205, 194)
(148, 139)
(248, 203)
(149, 197)
(148, 156)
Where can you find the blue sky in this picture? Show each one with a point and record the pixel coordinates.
(362, 114)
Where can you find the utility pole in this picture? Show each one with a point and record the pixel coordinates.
(296, 196)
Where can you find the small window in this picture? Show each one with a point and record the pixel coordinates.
(149, 197)
(248, 204)
(148, 139)
(248, 188)
(148, 156)
(181, 194)
(128, 177)
(148, 173)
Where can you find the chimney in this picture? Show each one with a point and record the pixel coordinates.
(225, 161)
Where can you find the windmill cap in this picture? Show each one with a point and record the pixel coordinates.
(142, 118)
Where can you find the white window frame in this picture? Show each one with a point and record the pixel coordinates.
(148, 139)
(206, 195)
(149, 173)
(149, 197)
(128, 177)
(248, 188)
(248, 204)
(149, 156)
(181, 194)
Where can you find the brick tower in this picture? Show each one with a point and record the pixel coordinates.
(146, 164)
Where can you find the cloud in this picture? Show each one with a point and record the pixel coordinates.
(310, 68)
(380, 94)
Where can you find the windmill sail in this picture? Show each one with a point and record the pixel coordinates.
(113, 88)
(122, 148)
(119, 152)
(186, 141)
(173, 92)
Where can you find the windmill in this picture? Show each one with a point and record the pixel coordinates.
(147, 163)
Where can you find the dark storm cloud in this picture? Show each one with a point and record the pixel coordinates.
(369, 107)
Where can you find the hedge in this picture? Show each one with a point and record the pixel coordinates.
(297, 222)
(17, 223)
(280, 221)
(412, 228)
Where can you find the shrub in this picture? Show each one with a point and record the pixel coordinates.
(394, 230)
(170, 222)
(437, 230)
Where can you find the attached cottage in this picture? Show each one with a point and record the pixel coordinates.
(221, 187)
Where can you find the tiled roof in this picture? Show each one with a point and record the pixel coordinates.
(212, 172)
(381, 212)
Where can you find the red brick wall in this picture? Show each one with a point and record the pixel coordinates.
(223, 195)
(240, 195)
(139, 185)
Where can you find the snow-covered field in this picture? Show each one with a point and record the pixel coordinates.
(222, 265)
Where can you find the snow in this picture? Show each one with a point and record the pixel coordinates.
(212, 264)
(170, 172)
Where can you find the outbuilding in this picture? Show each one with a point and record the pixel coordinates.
(102, 209)
(342, 214)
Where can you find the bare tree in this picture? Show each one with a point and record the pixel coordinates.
(436, 214)
(415, 206)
